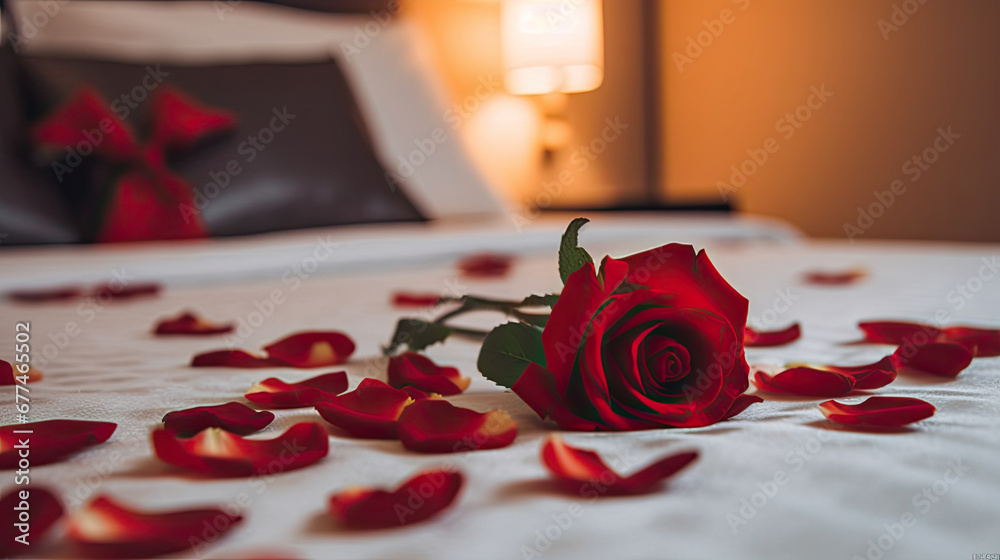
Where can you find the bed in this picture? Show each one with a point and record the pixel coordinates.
(844, 490)
(775, 482)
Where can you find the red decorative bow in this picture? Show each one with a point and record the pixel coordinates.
(146, 200)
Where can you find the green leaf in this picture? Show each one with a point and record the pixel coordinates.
(507, 350)
(548, 300)
(417, 335)
(534, 319)
(571, 256)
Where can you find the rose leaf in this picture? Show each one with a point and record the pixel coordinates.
(571, 256)
(507, 350)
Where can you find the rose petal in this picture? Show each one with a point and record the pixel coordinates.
(103, 528)
(44, 510)
(896, 332)
(417, 370)
(365, 508)
(418, 395)
(869, 376)
(50, 440)
(189, 323)
(755, 338)
(370, 411)
(41, 295)
(275, 393)
(9, 375)
(127, 291)
(742, 403)
(806, 382)
(580, 467)
(879, 411)
(827, 278)
(407, 299)
(234, 417)
(437, 426)
(312, 349)
(217, 452)
(984, 343)
(485, 265)
(233, 358)
(943, 359)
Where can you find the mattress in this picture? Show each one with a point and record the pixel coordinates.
(842, 493)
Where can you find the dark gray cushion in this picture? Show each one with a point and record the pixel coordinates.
(318, 170)
(31, 208)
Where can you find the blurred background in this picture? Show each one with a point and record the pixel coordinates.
(856, 119)
(703, 92)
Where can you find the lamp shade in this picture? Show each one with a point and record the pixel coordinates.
(552, 45)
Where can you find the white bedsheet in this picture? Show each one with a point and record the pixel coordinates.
(843, 488)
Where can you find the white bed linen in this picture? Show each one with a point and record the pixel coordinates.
(844, 488)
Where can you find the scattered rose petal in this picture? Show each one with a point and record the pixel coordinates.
(234, 417)
(50, 440)
(869, 376)
(366, 508)
(944, 359)
(44, 510)
(897, 332)
(275, 393)
(128, 291)
(879, 411)
(485, 265)
(217, 452)
(417, 370)
(742, 403)
(41, 295)
(984, 343)
(233, 358)
(370, 411)
(754, 338)
(437, 426)
(104, 529)
(831, 278)
(805, 381)
(9, 374)
(580, 467)
(312, 349)
(407, 299)
(189, 323)
(418, 395)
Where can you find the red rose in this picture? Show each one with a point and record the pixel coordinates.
(653, 341)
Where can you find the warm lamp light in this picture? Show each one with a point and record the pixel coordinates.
(552, 45)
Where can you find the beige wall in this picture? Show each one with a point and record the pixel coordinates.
(504, 131)
(890, 91)
(892, 88)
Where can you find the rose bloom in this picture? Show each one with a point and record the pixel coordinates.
(666, 352)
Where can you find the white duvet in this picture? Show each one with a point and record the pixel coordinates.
(773, 483)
